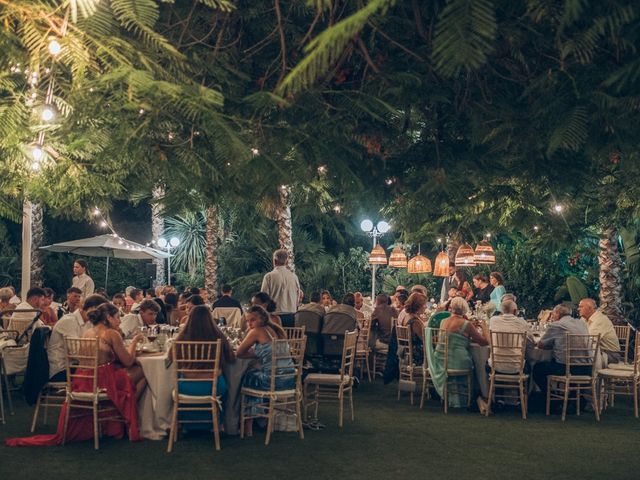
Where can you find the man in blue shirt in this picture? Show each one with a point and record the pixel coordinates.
(555, 339)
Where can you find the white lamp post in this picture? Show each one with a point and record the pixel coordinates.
(374, 232)
(168, 245)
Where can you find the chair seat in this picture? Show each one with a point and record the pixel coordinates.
(61, 385)
(505, 377)
(88, 396)
(252, 392)
(327, 379)
(620, 366)
(614, 373)
(454, 373)
(195, 398)
(572, 378)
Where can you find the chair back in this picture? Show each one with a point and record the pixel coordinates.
(435, 335)
(21, 319)
(312, 321)
(623, 332)
(405, 347)
(348, 354)
(436, 319)
(294, 333)
(81, 363)
(334, 325)
(232, 316)
(442, 345)
(581, 351)
(636, 355)
(297, 339)
(508, 352)
(362, 345)
(283, 362)
(201, 358)
(297, 348)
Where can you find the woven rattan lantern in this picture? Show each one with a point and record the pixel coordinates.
(441, 265)
(398, 259)
(377, 256)
(465, 256)
(419, 264)
(484, 254)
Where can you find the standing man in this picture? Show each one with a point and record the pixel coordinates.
(283, 287)
(80, 278)
(448, 282)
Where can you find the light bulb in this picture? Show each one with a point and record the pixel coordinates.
(54, 47)
(175, 241)
(37, 153)
(47, 114)
(383, 227)
(96, 211)
(255, 151)
(366, 225)
(35, 166)
(103, 224)
(162, 242)
(558, 208)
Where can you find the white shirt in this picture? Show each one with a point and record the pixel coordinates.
(15, 300)
(511, 324)
(129, 324)
(70, 325)
(599, 323)
(84, 283)
(24, 316)
(283, 287)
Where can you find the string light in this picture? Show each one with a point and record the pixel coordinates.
(37, 153)
(47, 114)
(558, 208)
(54, 47)
(35, 166)
(322, 169)
(536, 228)
(255, 151)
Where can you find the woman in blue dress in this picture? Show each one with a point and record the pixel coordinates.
(201, 327)
(258, 343)
(497, 282)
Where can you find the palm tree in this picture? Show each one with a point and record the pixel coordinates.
(211, 252)
(157, 230)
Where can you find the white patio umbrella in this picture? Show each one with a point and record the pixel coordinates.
(109, 246)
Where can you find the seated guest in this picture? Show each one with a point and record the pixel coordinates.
(461, 332)
(162, 314)
(347, 306)
(49, 317)
(554, 338)
(118, 360)
(415, 308)
(72, 303)
(483, 289)
(314, 305)
(119, 301)
(257, 343)
(5, 297)
(146, 317)
(420, 289)
(599, 324)
(360, 306)
(202, 328)
(263, 300)
(464, 289)
(71, 325)
(127, 297)
(226, 300)
(171, 304)
(192, 301)
(137, 296)
(327, 300)
(508, 322)
(35, 298)
(398, 303)
(382, 321)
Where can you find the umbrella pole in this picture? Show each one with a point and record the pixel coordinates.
(106, 279)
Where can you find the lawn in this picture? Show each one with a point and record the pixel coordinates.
(389, 439)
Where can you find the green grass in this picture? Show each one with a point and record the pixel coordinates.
(389, 439)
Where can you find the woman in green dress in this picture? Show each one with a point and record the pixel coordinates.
(461, 332)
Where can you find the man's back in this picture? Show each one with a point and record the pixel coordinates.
(226, 301)
(382, 319)
(555, 335)
(509, 323)
(283, 287)
(600, 324)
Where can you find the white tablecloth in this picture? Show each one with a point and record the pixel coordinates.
(155, 405)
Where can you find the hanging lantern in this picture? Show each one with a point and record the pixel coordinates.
(377, 256)
(441, 265)
(398, 258)
(419, 264)
(484, 254)
(465, 256)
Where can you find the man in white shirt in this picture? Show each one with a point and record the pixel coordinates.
(599, 324)
(145, 317)
(362, 307)
(72, 325)
(510, 323)
(283, 287)
(35, 297)
(14, 298)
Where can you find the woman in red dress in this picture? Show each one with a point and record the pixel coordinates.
(118, 374)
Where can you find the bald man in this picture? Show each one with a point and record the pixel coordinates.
(599, 323)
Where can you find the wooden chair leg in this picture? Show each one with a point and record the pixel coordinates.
(353, 417)
(67, 411)
(271, 421)
(523, 400)
(565, 402)
(242, 419)
(341, 410)
(446, 394)
(368, 369)
(96, 432)
(299, 418)
(594, 400)
(174, 427)
(216, 426)
(468, 391)
(35, 413)
(548, 396)
(425, 387)
(317, 400)
(6, 387)
(635, 398)
(492, 386)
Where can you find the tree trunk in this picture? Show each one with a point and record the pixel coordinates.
(453, 243)
(37, 238)
(285, 228)
(610, 269)
(211, 253)
(157, 231)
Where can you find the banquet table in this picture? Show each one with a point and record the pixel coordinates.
(155, 405)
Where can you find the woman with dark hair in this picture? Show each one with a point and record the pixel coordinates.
(497, 282)
(415, 307)
(117, 375)
(81, 279)
(464, 288)
(171, 304)
(162, 314)
(262, 299)
(258, 343)
(200, 327)
(192, 301)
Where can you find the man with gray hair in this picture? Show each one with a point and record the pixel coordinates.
(508, 322)
(283, 287)
(599, 324)
(555, 339)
